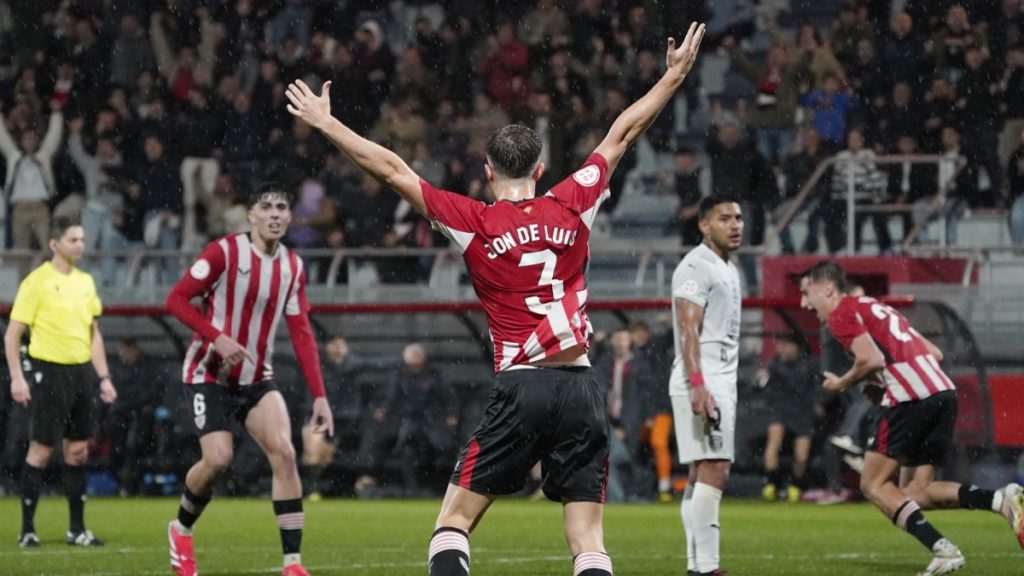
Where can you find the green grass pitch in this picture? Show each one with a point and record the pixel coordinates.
(239, 537)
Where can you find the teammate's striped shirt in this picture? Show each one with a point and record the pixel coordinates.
(911, 372)
(245, 293)
(527, 261)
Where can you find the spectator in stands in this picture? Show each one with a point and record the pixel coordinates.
(425, 412)
(979, 106)
(505, 58)
(950, 43)
(29, 183)
(130, 423)
(777, 82)
(869, 85)
(342, 371)
(798, 168)
(940, 110)
(544, 25)
(910, 183)
(1015, 179)
(739, 171)
(822, 61)
(159, 203)
(401, 127)
(958, 178)
(855, 168)
(790, 382)
(848, 33)
(900, 117)
(1012, 105)
(653, 358)
(686, 180)
(376, 64)
(131, 52)
(903, 52)
(830, 105)
(618, 369)
(486, 117)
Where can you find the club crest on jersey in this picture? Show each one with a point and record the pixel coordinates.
(201, 421)
(587, 176)
(200, 270)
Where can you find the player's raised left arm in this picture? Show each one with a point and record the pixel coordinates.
(633, 121)
(867, 359)
(378, 161)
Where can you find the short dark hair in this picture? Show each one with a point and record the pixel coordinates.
(827, 270)
(513, 151)
(270, 189)
(708, 203)
(60, 224)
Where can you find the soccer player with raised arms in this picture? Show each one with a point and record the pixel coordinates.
(527, 257)
(706, 302)
(247, 282)
(915, 430)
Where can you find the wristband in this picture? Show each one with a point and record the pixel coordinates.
(696, 380)
(102, 378)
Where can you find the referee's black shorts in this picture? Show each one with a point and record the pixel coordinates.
(552, 415)
(62, 400)
(919, 432)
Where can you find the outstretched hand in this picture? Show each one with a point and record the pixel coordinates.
(680, 60)
(315, 110)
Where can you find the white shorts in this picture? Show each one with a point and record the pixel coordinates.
(692, 435)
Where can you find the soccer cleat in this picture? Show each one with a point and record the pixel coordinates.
(294, 570)
(846, 444)
(183, 559)
(1013, 509)
(665, 497)
(793, 494)
(28, 540)
(945, 560)
(768, 492)
(84, 538)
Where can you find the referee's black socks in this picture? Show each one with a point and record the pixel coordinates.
(74, 489)
(31, 480)
(449, 553)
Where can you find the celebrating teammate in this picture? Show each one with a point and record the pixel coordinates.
(247, 282)
(706, 302)
(58, 303)
(527, 257)
(916, 426)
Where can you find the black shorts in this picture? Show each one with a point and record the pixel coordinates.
(917, 433)
(62, 400)
(552, 415)
(214, 406)
(797, 418)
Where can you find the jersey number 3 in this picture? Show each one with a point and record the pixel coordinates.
(547, 278)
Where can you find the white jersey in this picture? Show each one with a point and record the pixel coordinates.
(707, 280)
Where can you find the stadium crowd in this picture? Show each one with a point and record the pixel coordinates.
(152, 118)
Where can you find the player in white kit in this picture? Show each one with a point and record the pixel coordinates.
(706, 302)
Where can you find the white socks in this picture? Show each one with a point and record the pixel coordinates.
(703, 518)
(686, 511)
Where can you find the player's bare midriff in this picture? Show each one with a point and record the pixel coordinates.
(567, 356)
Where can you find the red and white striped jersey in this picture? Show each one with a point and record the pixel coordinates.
(245, 293)
(911, 372)
(528, 261)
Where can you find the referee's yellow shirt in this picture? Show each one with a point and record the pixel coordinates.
(59, 309)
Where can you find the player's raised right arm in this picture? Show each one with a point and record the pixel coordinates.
(633, 121)
(378, 161)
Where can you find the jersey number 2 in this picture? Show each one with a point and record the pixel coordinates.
(547, 278)
(881, 311)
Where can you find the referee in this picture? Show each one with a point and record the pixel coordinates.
(58, 302)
